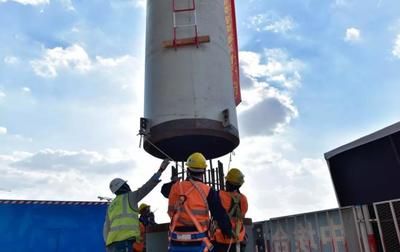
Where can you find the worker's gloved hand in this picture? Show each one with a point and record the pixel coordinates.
(164, 165)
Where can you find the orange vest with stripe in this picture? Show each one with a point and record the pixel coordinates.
(227, 201)
(195, 200)
(138, 246)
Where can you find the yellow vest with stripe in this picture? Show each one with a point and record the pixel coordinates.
(124, 221)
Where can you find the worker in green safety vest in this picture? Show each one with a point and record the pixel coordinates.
(121, 227)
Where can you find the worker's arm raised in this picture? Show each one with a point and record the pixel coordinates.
(140, 193)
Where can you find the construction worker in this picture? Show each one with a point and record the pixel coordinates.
(235, 204)
(121, 227)
(146, 215)
(140, 243)
(189, 204)
(146, 219)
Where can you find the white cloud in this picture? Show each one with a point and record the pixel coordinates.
(2, 94)
(75, 175)
(3, 130)
(293, 186)
(26, 89)
(10, 60)
(267, 106)
(74, 57)
(280, 68)
(62, 160)
(268, 113)
(396, 47)
(67, 4)
(28, 2)
(112, 62)
(352, 34)
(140, 3)
(342, 3)
(272, 23)
(22, 138)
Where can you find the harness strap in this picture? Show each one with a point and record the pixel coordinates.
(235, 213)
(178, 208)
(202, 194)
(182, 206)
(186, 236)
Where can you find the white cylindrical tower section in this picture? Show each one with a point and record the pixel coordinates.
(189, 98)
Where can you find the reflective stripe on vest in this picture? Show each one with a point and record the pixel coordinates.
(184, 197)
(124, 221)
(193, 211)
(195, 196)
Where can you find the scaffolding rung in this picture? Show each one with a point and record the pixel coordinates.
(184, 25)
(186, 41)
(190, 8)
(184, 10)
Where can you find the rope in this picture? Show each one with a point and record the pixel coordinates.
(230, 244)
(141, 133)
(230, 159)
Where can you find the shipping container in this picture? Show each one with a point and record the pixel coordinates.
(51, 226)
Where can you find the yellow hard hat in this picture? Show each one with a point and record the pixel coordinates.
(143, 206)
(235, 177)
(196, 161)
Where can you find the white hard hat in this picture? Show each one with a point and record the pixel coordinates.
(116, 183)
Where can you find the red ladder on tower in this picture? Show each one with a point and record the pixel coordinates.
(196, 39)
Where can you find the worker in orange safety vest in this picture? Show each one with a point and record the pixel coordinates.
(146, 219)
(140, 244)
(189, 207)
(235, 204)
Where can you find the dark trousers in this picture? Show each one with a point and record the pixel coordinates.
(220, 247)
(120, 246)
(177, 246)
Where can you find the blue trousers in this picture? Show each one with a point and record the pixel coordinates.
(187, 247)
(121, 246)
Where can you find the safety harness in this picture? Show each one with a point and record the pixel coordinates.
(235, 213)
(181, 206)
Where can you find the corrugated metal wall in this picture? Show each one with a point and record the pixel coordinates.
(51, 226)
(388, 219)
(331, 230)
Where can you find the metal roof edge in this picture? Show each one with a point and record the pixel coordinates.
(364, 140)
(313, 212)
(51, 202)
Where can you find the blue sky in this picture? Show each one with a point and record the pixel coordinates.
(315, 75)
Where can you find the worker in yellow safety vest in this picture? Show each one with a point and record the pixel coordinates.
(189, 207)
(235, 204)
(121, 227)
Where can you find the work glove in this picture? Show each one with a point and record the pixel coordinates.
(164, 165)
